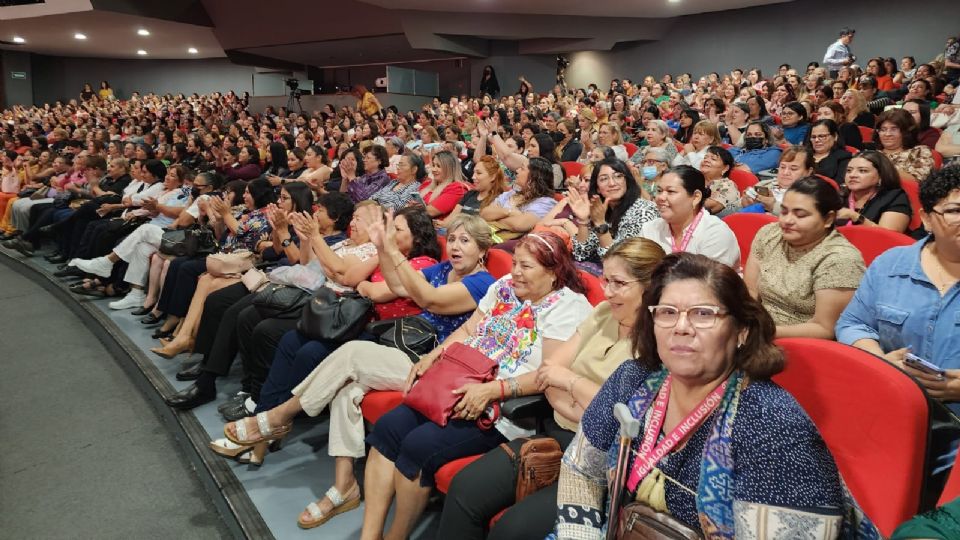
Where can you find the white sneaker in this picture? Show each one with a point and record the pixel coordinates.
(133, 299)
(101, 266)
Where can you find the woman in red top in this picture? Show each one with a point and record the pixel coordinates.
(446, 187)
(877, 68)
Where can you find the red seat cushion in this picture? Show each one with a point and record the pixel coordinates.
(872, 241)
(378, 402)
(446, 473)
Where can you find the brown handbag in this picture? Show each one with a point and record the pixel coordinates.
(230, 264)
(640, 522)
(537, 466)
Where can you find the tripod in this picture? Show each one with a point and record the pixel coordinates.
(294, 99)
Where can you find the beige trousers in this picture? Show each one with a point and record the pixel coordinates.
(342, 380)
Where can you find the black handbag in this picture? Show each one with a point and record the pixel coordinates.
(413, 335)
(189, 242)
(276, 301)
(332, 317)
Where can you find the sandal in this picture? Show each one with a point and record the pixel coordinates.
(240, 453)
(340, 505)
(260, 443)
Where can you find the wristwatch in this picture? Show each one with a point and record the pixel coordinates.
(602, 228)
(286, 243)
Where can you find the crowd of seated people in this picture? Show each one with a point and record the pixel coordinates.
(630, 189)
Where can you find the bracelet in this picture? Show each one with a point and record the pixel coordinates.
(503, 392)
(514, 387)
(572, 382)
(583, 223)
(399, 263)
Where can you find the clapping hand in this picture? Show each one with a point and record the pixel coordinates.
(579, 205)
(598, 209)
(305, 224)
(371, 220)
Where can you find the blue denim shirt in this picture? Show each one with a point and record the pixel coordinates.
(758, 160)
(898, 306)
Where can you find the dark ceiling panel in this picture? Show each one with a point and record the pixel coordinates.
(185, 11)
(349, 52)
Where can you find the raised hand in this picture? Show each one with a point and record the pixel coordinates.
(598, 209)
(579, 205)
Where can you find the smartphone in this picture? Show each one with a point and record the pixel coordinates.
(750, 192)
(920, 364)
(762, 190)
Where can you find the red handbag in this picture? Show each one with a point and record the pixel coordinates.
(432, 395)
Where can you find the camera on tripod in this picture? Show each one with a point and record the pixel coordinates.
(294, 86)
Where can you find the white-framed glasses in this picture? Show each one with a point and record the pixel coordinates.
(701, 317)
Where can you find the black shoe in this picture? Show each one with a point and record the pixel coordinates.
(235, 413)
(233, 402)
(47, 229)
(142, 311)
(56, 259)
(52, 255)
(189, 398)
(191, 373)
(70, 271)
(152, 319)
(162, 334)
(25, 248)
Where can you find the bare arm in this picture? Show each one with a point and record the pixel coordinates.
(830, 304)
(751, 276)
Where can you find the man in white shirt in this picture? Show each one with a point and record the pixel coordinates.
(838, 54)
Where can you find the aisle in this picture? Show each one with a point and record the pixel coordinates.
(85, 455)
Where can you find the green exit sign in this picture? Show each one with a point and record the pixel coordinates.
(18, 75)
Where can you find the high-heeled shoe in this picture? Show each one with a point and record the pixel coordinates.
(261, 442)
(139, 312)
(173, 348)
(241, 453)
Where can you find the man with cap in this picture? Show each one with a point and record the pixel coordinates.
(838, 53)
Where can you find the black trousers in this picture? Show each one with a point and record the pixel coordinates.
(487, 486)
(258, 342)
(217, 333)
(180, 284)
(45, 216)
(73, 229)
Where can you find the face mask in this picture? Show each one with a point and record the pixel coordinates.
(649, 172)
(753, 143)
(195, 192)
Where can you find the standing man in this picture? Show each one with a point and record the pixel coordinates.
(838, 54)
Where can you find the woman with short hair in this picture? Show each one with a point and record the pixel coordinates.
(829, 155)
(897, 135)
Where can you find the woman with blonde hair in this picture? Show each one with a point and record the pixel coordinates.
(445, 186)
(855, 106)
(489, 182)
(609, 135)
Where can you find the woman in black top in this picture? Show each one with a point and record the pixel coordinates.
(873, 196)
(828, 153)
(488, 82)
(571, 147)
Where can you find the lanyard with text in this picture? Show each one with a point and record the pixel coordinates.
(687, 234)
(649, 456)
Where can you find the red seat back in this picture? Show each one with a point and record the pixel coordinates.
(631, 148)
(937, 159)
(872, 241)
(912, 187)
(745, 227)
(829, 180)
(852, 149)
(572, 168)
(678, 144)
(866, 134)
(499, 262)
(594, 287)
(872, 416)
(743, 179)
(442, 240)
(952, 488)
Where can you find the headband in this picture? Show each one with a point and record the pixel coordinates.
(542, 239)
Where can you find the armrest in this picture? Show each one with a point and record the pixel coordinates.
(527, 412)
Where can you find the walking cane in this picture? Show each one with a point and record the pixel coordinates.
(629, 429)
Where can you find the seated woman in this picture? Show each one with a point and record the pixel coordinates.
(724, 197)
(704, 357)
(796, 162)
(217, 334)
(611, 211)
(360, 188)
(569, 379)
(540, 145)
(517, 211)
(897, 133)
(658, 136)
(489, 182)
(795, 123)
(652, 164)
(801, 269)
(244, 165)
(704, 135)
(873, 192)
(856, 109)
(144, 241)
(829, 156)
(849, 133)
(919, 109)
(907, 301)
(448, 292)
(278, 357)
(245, 231)
(684, 224)
(318, 171)
(609, 135)
(524, 317)
(757, 153)
(397, 194)
(561, 219)
(446, 185)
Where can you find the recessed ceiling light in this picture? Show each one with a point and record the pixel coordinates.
(143, 32)
(78, 35)
(142, 52)
(18, 39)
(192, 50)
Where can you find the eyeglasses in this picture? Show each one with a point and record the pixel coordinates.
(817, 137)
(951, 216)
(614, 286)
(700, 317)
(607, 179)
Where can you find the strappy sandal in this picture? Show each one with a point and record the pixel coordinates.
(260, 443)
(89, 287)
(339, 507)
(240, 453)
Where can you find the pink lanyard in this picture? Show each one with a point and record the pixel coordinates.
(687, 234)
(852, 203)
(649, 456)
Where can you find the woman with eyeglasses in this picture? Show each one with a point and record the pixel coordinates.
(872, 194)
(801, 269)
(829, 156)
(569, 378)
(710, 416)
(611, 211)
(908, 301)
(897, 134)
(795, 123)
